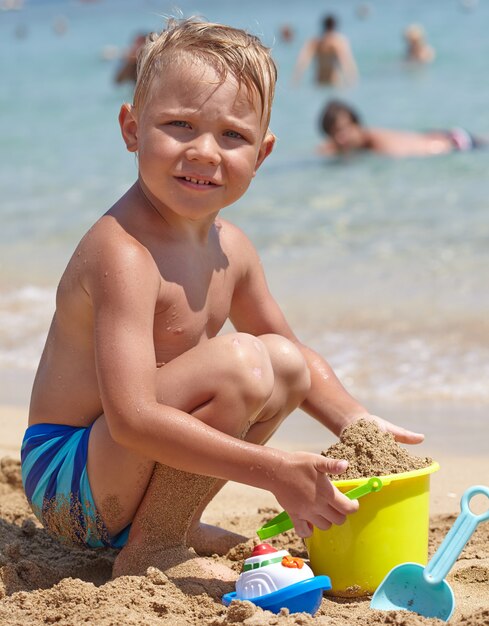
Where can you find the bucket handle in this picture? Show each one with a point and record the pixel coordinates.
(281, 523)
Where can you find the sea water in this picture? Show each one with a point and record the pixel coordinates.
(381, 265)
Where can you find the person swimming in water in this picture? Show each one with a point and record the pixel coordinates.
(417, 49)
(346, 134)
(335, 64)
(127, 71)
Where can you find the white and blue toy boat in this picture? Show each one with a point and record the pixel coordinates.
(273, 579)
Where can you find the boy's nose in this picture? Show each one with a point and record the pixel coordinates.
(204, 148)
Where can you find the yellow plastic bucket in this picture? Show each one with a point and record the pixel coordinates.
(390, 527)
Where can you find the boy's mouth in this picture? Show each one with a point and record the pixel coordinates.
(198, 181)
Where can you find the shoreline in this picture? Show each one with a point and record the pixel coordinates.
(13, 423)
(448, 441)
(460, 429)
(453, 443)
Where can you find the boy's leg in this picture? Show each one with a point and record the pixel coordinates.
(232, 387)
(216, 382)
(154, 536)
(291, 383)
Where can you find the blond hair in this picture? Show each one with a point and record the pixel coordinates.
(226, 49)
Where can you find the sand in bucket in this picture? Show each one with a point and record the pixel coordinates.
(391, 526)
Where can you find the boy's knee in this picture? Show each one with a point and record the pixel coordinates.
(250, 367)
(289, 365)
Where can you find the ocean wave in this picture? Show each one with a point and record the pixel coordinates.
(387, 364)
(25, 315)
(409, 366)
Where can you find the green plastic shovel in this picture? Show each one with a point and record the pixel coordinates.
(424, 590)
(282, 522)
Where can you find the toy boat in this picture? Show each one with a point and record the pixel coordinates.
(273, 579)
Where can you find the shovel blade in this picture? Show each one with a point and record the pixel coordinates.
(404, 588)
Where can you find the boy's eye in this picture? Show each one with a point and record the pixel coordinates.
(180, 124)
(233, 134)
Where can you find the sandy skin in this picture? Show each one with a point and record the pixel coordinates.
(168, 542)
(181, 565)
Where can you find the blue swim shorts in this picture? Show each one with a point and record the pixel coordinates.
(55, 478)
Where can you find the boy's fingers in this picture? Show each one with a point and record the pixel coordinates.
(325, 465)
(406, 436)
(303, 528)
(328, 518)
(337, 507)
(401, 435)
(340, 506)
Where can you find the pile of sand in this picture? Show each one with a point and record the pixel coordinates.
(372, 452)
(43, 582)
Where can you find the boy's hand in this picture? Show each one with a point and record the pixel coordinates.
(401, 435)
(306, 493)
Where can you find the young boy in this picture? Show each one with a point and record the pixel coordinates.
(140, 410)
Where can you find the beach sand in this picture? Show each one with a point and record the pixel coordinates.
(43, 582)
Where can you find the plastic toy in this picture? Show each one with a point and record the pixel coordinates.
(282, 522)
(273, 579)
(424, 590)
(390, 527)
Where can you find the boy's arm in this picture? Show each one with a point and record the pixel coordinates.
(255, 311)
(123, 286)
(329, 399)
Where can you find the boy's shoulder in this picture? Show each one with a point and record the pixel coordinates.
(108, 246)
(108, 265)
(233, 239)
(242, 256)
(231, 231)
(109, 235)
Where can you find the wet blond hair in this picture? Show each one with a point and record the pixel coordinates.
(226, 49)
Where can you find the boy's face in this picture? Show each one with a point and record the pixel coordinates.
(199, 143)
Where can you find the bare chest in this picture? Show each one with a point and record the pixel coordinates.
(190, 311)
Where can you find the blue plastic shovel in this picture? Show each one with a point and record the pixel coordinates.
(424, 590)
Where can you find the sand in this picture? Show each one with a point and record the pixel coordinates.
(42, 582)
(372, 452)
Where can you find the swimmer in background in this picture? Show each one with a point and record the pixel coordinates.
(417, 49)
(127, 71)
(347, 134)
(286, 33)
(335, 64)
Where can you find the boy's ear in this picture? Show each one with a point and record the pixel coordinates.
(129, 127)
(265, 149)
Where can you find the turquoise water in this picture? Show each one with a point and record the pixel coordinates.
(381, 265)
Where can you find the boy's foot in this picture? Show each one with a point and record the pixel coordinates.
(181, 565)
(207, 540)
